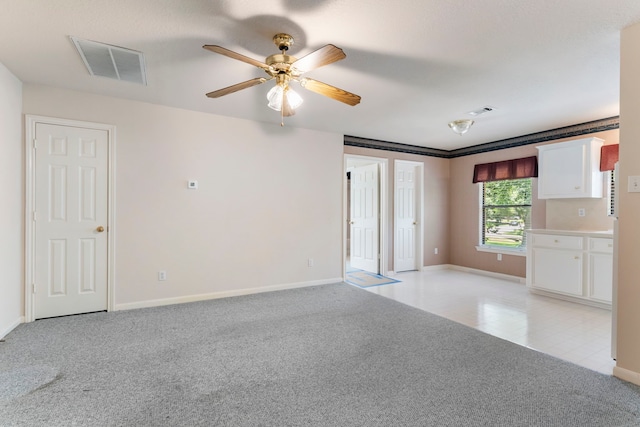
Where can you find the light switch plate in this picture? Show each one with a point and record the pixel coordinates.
(634, 184)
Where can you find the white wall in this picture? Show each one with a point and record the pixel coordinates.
(11, 201)
(269, 199)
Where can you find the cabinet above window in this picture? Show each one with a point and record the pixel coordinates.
(570, 169)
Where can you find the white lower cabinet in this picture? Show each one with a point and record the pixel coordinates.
(557, 270)
(575, 267)
(600, 269)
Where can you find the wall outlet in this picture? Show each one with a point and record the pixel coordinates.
(499, 257)
(192, 185)
(162, 275)
(310, 262)
(435, 251)
(581, 212)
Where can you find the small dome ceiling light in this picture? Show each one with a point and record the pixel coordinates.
(461, 126)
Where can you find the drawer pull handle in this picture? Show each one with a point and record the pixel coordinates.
(555, 241)
(576, 257)
(610, 245)
(577, 187)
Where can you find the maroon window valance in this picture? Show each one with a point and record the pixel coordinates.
(526, 167)
(609, 155)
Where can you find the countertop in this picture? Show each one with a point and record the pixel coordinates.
(584, 233)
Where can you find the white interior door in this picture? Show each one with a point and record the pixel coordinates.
(364, 218)
(406, 217)
(70, 200)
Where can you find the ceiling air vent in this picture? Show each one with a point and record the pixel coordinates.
(482, 110)
(112, 61)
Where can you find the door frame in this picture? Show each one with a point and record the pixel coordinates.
(383, 207)
(419, 240)
(30, 247)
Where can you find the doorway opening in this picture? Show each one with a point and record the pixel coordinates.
(365, 214)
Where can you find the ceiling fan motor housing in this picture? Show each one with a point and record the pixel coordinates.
(283, 41)
(280, 63)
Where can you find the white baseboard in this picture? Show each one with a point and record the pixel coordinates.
(436, 267)
(502, 276)
(626, 375)
(577, 300)
(4, 332)
(222, 294)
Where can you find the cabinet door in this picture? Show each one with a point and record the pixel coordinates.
(562, 171)
(557, 271)
(600, 276)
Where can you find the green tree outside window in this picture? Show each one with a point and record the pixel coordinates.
(506, 209)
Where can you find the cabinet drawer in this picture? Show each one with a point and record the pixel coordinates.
(557, 241)
(601, 245)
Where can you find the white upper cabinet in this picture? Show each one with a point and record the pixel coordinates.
(570, 169)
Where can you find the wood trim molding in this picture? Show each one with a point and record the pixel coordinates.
(627, 375)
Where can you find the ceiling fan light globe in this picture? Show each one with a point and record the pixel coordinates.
(275, 94)
(275, 97)
(295, 100)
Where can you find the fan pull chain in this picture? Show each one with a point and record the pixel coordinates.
(284, 93)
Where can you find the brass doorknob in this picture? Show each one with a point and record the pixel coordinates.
(100, 229)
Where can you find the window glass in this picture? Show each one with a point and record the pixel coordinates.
(506, 212)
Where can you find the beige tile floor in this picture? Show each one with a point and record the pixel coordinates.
(574, 332)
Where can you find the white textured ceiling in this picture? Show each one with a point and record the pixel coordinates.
(417, 64)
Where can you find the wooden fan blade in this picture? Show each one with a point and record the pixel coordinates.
(330, 91)
(227, 90)
(231, 54)
(324, 56)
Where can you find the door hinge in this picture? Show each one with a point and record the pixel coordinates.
(35, 215)
(33, 288)
(35, 143)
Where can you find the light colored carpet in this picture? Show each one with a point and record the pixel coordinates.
(331, 355)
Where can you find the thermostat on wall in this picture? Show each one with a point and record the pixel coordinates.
(192, 185)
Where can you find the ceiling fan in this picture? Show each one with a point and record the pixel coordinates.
(284, 69)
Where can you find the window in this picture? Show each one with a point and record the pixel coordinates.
(506, 213)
